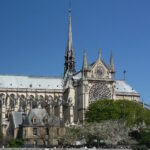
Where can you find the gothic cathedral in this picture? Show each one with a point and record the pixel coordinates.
(67, 97)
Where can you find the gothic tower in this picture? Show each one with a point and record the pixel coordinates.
(69, 66)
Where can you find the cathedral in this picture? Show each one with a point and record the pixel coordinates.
(65, 99)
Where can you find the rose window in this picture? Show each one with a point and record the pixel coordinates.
(99, 91)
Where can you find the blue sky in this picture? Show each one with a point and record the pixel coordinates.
(33, 37)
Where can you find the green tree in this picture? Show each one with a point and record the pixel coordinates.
(131, 112)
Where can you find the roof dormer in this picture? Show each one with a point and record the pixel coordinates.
(34, 119)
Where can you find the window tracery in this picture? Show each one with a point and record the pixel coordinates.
(99, 91)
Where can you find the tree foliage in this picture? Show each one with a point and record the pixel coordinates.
(72, 135)
(96, 134)
(108, 132)
(129, 111)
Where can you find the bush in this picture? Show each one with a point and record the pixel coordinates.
(16, 143)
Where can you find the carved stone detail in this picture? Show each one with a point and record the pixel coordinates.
(99, 71)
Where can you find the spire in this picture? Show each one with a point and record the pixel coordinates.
(69, 42)
(99, 54)
(112, 68)
(69, 65)
(84, 66)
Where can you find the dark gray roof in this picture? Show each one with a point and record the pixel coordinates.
(40, 114)
(17, 118)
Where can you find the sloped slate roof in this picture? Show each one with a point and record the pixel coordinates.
(7, 81)
(40, 114)
(17, 118)
(122, 87)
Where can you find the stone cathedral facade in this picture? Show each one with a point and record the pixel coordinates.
(65, 97)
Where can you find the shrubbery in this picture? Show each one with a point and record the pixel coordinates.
(16, 143)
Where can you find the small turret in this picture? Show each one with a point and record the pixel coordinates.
(84, 66)
(112, 68)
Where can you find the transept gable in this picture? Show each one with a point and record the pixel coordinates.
(99, 69)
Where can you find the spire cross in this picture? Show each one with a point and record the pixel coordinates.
(124, 72)
(69, 7)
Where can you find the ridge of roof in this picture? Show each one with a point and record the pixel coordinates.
(32, 76)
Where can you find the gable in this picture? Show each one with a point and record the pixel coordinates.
(99, 69)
